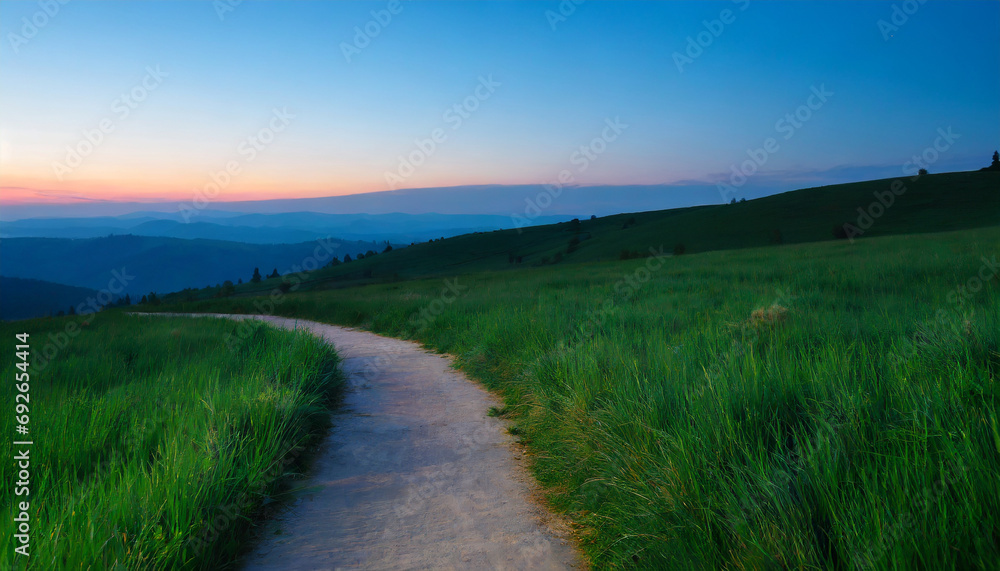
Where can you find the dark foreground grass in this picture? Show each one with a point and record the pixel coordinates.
(820, 406)
(156, 445)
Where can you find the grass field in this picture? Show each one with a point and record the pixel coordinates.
(813, 406)
(156, 444)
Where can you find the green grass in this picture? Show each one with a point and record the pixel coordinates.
(156, 446)
(932, 203)
(813, 406)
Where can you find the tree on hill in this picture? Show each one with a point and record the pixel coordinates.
(239, 281)
(922, 172)
(274, 274)
(388, 247)
(256, 276)
(995, 165)
(128, 299)
(369, 253)
(144, 300)
(228, 289)
(347, 258)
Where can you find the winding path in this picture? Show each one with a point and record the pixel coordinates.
(413, 475)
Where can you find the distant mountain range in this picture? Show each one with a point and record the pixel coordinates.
(500, 201)
(137, 265)
(285, 228)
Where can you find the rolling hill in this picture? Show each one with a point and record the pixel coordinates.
(25, 298)
(931, 203)
(157, 264)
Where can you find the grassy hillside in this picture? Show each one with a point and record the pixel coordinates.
(155, 443)
(23, 299)
(931, 203)
(829, 405)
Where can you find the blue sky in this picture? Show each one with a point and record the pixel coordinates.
(555, 84)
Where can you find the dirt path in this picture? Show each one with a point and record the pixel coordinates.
(414, 475)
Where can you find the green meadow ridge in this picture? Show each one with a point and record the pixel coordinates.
(808, 402)
(907, 205)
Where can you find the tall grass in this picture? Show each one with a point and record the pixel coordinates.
(823, 406)
(156, 445)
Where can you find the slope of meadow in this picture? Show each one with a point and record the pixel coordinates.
(156, 443)
(931, 203)
(828, 405)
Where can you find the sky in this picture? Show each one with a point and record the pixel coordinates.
(227, 100)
